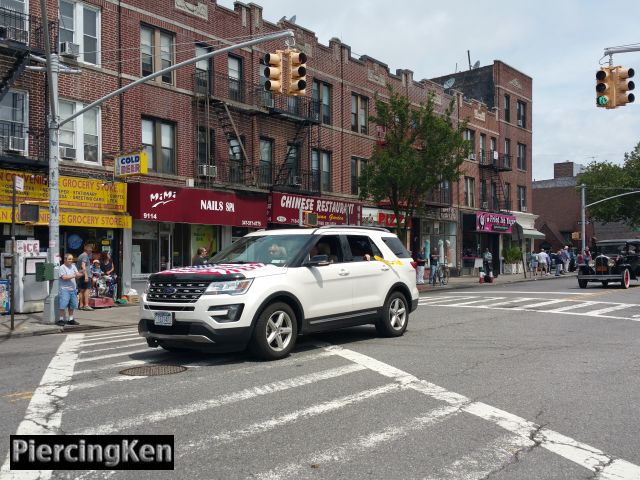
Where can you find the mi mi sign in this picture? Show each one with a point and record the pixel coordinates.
(132, 164)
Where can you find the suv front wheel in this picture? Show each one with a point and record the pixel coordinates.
(275, 332)
(395, 316)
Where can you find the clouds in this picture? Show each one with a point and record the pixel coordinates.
(557, 43)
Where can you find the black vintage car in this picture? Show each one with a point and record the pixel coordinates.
(614, 261)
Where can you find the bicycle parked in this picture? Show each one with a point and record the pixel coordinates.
(442, 274)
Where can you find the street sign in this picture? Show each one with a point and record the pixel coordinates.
(132, 164)
(19, 184)
(587, 223)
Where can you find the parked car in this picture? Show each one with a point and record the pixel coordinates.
(268, 287)
(614, 261)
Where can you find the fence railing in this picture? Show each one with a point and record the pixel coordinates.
(18, 140)
(20, 28)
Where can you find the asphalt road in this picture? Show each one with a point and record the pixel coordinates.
(532, 380)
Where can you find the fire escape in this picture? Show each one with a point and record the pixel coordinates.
(493, 193)
(21, 35)
(224, 105)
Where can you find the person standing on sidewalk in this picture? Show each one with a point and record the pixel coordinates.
(68, 295)
(420, 262)
(84, 282)
(433, 270)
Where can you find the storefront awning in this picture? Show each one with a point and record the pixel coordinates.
(532, 233)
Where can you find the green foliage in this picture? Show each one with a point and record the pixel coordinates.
(605, 179)
(512, 254)
(422, 148)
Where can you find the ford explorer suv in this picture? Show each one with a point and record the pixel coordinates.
(270, 286)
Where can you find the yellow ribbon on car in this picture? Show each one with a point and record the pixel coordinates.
(388, 262)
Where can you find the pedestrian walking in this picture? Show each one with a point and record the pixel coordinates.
(542, 261)
(200, 257)
(487, 261)
(420, 264)
(534, 264)
(559, 263)
(68, 297)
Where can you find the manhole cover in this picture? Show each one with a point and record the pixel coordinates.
(150, 370)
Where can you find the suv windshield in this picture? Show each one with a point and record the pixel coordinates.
(272, 249)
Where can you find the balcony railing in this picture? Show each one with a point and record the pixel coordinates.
(17, 141)
(21, 29)
(223, 87)
(500, 162)
(439, 196)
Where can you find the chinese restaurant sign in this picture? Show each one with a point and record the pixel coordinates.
(75, 193)
(494, 222)
(285, 209)
(163, 203)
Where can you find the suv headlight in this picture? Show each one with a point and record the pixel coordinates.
(231, 287)
(146, 288)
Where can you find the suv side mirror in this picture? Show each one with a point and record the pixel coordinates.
(317, 261)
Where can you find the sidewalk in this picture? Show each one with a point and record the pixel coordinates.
(128, 315)
(104, 318)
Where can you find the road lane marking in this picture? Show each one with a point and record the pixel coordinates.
(309, 412)
(136, 344)
(580, 453)
(44, 412)
(111, 333)
(532, 306)
(622, 306)
(98, 383)
(530, 292)
(346, 451)
(114, 355)
(572, 307)
(109, 366)
(482, 462)
(515, 300)
(226, 399)
(486, 299)
(123, 338)
(447, 299)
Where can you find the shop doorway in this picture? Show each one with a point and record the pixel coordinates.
(164, 251)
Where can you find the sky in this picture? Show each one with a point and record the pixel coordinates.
(558, 43)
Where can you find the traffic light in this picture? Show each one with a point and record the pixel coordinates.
(623, 86)
(273, 72)
(604, 87)
(297, 73)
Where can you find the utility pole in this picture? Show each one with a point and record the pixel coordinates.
(54, 124)
(583, 218)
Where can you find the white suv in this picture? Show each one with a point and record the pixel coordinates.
(270, 286)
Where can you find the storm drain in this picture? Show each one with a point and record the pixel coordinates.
(151, 370)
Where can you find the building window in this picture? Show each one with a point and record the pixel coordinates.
(265, 96)
(359, 113)
(494, 150)
(507, 152)
(266, 161)
(469, 192)
(358, 166)
(203, 71)
(13, 125)
(205, 146)
(236, 160)
(507, 108)
(522, 198)
(235, 78)
(292, 165)
(156, 52)
(326, 171)
(522, 156)
(80, 24)
(321, 97)
(159, 141)
(522, 114)
(483, 148)
(495, 203)
(484, 204)
(507, 196)
(470, 136)
(85, 129)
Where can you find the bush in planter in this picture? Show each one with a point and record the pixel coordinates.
(512, 256)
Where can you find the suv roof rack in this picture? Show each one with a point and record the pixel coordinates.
(359, 227)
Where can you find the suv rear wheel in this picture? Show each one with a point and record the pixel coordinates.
(275, 332)
(395, 316)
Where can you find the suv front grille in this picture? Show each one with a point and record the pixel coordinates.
(176, 292)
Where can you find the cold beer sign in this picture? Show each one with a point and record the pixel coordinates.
(132, 164)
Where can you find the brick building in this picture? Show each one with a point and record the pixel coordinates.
(226, 157)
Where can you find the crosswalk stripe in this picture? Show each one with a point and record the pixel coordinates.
(138, 341)
(449, 299)
(129, 363)
(98, 383)
(486, 299)
(312, 411)
(622, 306)
(346, 451)
(533, 306)
(113, 355)
(485, 460)
(508, 302)
(572, 307)
(110, 333)
(234, 397)
(123, 338)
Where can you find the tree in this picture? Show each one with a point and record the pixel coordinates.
(605, 179)
(421, 150)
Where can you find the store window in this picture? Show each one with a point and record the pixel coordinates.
(442, 237)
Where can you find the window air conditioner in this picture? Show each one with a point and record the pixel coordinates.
(68, 153)
(520, 122)
(69, 50)
(296, 180)
(472, 156)
(207, 170)
(17, 144)
(485, 205)
(495, 155)
(523, 209)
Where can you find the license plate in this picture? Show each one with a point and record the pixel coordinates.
(163, 318)
(601, 269)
